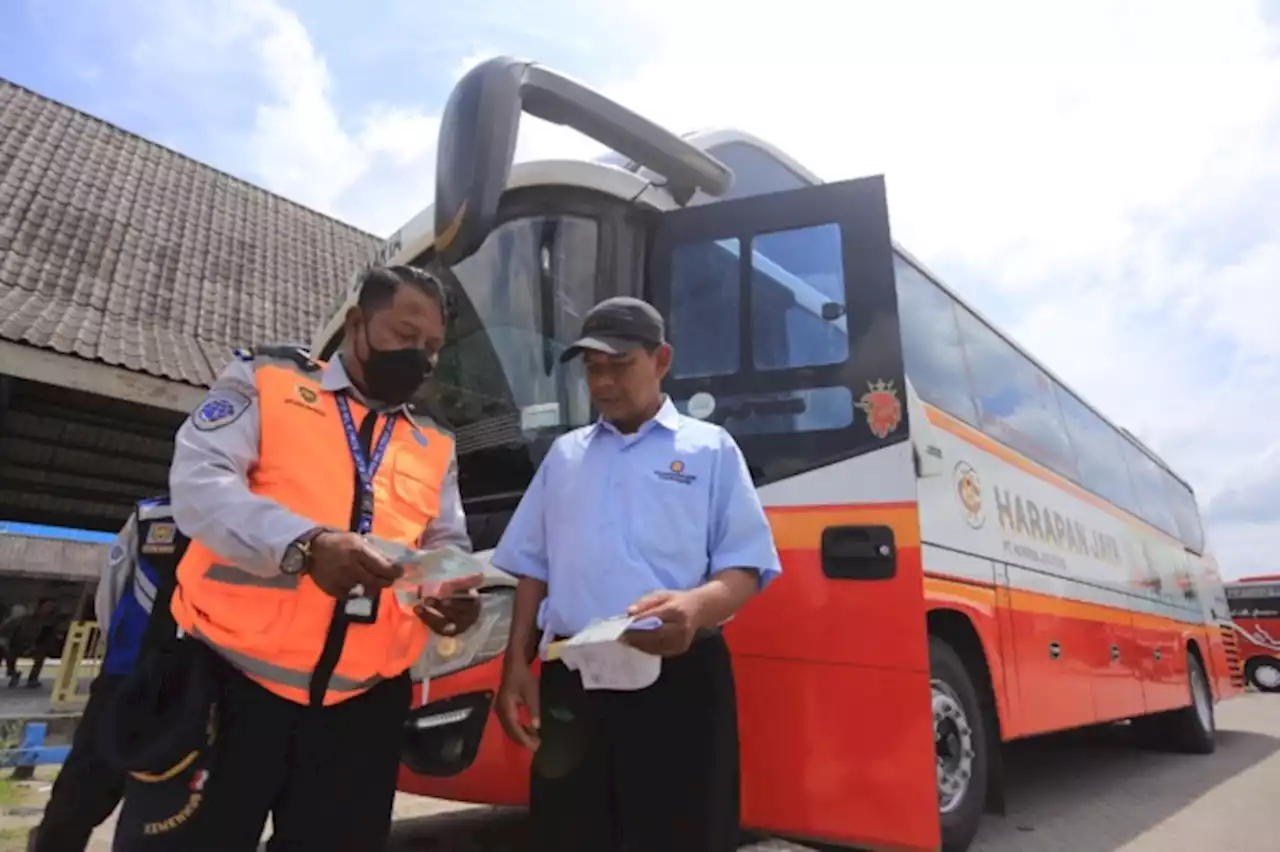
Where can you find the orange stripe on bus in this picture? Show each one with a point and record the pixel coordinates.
(941, 588)
(984, 442)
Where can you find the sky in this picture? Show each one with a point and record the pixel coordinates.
(1099, 177)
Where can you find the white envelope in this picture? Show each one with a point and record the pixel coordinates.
(604, 662)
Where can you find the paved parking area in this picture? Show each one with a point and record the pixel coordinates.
(1090, 791)
(1083, 792)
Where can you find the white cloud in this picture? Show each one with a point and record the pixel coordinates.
(1098, 177)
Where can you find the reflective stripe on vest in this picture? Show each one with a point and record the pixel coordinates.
(234, 576)
(273, 628)
(294, 684)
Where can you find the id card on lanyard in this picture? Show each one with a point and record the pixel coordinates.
(362, 608)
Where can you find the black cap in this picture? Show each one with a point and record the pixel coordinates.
(618, 325)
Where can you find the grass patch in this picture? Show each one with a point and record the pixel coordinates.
(13, 835)
(12, 793)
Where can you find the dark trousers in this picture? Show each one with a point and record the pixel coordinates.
(87, 788)
(11, 665)
(654, 770)
(326, 775)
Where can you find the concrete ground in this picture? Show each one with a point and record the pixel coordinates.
(1083, 792)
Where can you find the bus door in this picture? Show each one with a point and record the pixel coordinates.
(783, 315)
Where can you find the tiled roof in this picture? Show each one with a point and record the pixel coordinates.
(118, 250)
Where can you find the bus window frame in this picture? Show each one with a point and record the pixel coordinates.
(774, 456)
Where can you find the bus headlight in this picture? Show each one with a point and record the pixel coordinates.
(486, 639)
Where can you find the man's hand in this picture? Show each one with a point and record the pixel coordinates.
(340, 561)
(519, 690)
(681, 615)
(454, 608)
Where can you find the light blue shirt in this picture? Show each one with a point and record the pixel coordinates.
(609, 518)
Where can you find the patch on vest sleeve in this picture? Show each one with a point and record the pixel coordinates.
(222, 407)
(161, 538)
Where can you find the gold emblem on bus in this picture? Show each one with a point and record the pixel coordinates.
(969, 493)
(883, 408)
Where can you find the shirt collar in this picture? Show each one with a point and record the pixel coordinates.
(667, 417)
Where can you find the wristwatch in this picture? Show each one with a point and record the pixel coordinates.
(297, 554)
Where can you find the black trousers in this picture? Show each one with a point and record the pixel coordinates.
(87, 788)
(11, 665)
(326, 775)
(655, 770)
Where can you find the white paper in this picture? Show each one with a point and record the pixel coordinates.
(604, 662)
(425, 571)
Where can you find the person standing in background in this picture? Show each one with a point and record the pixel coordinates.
(132, 608)
(30, 633)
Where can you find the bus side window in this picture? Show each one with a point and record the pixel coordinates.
(1099, 453)
(794, 273)
(1148, 478)
(931, 343)
(1016, 403)
(1185, 513)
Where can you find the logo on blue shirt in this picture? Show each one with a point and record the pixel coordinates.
(675, 473)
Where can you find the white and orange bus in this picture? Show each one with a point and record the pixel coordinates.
(1255, 614)
(972, 553)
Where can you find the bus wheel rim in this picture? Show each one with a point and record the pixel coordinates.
(1200, 695)
(1267, 675)
(953, 746)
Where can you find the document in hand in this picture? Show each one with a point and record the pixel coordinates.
(604, 662)
(428, 572)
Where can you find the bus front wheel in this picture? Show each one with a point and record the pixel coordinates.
(1263, 673)
(960, 743)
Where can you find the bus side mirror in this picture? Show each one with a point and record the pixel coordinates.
(473, 160)
(478, 141)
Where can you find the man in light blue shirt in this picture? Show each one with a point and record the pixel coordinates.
(646, 512)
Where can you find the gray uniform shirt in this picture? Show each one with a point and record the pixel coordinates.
(215, 449)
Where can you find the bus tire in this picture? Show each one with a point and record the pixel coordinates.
(960, 740)
(1263, 673)
(1190, 729)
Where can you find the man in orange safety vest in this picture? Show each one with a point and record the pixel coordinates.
(296, 640)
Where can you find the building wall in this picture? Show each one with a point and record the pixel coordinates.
(49, 558)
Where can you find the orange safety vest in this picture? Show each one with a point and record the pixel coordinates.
(273, 628)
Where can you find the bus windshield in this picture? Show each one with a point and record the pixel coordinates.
(499, 385)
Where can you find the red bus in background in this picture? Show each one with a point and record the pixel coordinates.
(1255, 615)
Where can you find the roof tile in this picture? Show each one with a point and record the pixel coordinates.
(118, 250)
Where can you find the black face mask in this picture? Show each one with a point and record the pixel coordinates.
(394, 375)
